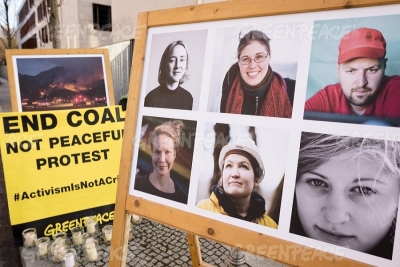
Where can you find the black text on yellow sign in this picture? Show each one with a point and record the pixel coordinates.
(49, 121)
(66, 226)
(60, 162)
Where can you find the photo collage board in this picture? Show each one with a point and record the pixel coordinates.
(284, 125)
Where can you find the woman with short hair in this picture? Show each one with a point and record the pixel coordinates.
(171, 74)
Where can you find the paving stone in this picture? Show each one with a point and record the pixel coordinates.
(152, 254)
(162, 246)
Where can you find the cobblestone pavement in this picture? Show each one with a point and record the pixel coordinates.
(155, 245)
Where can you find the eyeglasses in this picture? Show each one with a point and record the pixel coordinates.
(257, 59)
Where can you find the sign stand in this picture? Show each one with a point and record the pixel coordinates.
(205, 227)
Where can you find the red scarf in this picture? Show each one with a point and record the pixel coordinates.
(276, 103)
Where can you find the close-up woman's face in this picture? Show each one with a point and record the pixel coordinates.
(177, 63)
(163, 154)
(238, 176)
(254, 73)
(348, 202)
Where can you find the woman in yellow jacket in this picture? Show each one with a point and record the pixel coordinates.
(242, 170)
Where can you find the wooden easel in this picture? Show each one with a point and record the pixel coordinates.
(205, 227)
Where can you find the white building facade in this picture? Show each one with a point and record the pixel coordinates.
(87, 23)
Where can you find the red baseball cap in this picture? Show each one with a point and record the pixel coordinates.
(361, 42)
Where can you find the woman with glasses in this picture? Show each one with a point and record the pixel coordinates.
(251, 86)
(171, 74)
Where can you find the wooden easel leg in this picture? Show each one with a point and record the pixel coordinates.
(195, 251)
(119, 242)
(126, 237)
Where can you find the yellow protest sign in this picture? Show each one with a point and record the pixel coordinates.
(60, 162)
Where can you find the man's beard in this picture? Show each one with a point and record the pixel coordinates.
(356, 101)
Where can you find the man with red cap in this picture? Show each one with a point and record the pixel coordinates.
(363, 88)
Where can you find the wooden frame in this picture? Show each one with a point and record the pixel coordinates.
(98, 66)
(205, 227)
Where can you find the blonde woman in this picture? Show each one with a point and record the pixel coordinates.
(164, 142)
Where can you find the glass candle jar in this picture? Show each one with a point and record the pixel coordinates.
(91, 225)
(28, 255)
(57, 249)
(107, 234)
(43, 245)
(91, 249)
(77, 235)
(69, 258)
(86, 236)
(60, 237)
(136, 219)
(29, 237)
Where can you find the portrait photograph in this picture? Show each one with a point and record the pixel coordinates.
(354, 71)
(347, 192)
(242, 172)
(254, 68)
(58, 81)
(175, 70)
(165, 155)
